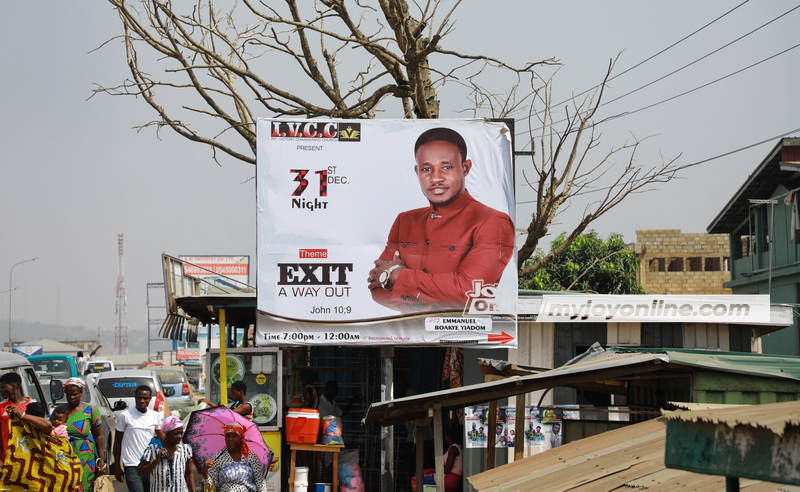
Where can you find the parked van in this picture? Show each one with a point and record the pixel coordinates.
(31, 387)
(58, 366)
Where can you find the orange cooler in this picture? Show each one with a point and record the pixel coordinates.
(302, 425)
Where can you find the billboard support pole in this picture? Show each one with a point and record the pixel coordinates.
(223, 359)
(387, 437)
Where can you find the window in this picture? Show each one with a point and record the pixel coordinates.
(676, 265)
(713, 264)
(744, 244)
(29, 386)
(657, 265)
(740, 337)
(662, 335)
(124, 387)
(765, 238)
(695, 264)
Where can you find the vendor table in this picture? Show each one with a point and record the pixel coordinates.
(316, 448)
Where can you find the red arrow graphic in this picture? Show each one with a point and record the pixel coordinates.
(503, 338)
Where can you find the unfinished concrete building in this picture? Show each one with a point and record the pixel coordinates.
(675, 262)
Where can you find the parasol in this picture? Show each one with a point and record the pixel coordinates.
(205, 435)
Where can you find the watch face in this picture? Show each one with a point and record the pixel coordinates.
(384, 276)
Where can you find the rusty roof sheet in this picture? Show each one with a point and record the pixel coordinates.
(629, 457)
(775, 417)
(612, 363)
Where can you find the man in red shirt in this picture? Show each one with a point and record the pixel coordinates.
(433, 254)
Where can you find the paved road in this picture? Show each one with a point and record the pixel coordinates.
(198, 482)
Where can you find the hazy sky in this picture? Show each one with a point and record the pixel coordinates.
(75, 174)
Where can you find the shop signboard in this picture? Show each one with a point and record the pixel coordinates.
(365, 235)
(188, 354)
(27, 350)
(260, 370)
(225, 271)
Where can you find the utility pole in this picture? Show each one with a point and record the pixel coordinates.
(121, 330)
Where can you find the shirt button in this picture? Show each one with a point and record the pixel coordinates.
(427, 242)
(403, 245)
(452, 248)
(425, 270)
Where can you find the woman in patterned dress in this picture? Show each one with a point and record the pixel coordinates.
(235, 469)
(83, 429)
(10, 396)
(168, 462)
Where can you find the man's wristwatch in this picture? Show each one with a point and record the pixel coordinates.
(386, 275)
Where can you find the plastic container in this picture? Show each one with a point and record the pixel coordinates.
(331, 430)
(301, 475)
(324, 487)
(302, 425)
(300, 487)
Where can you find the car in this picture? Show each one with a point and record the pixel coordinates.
(174, 377)
(96, 364)
(119, 387)
(31, 385)
(95, 397)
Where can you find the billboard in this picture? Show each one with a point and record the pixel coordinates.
(27, 350)
(223, 271)
(385, 232)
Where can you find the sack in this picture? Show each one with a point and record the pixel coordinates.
(104, 483)
(350, 479)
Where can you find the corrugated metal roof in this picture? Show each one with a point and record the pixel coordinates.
(604, 366)
(630, 457)
(779, 366)
(615, 363)
(760, 184)
(775, 416)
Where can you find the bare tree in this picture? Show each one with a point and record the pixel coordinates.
(206, 68)
(307, 58)
(567, 166)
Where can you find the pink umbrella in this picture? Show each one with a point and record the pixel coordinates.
(205, 435)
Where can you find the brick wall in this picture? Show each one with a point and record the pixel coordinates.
(674, 262)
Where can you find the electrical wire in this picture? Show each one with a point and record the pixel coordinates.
(655, 55)
(680, 69)
(686, 166)
(628, 113)
(703, 86)
(649, 58)
(698, 59)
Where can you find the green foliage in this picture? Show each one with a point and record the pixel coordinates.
(589, 264)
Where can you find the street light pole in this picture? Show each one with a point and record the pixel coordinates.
(10, 290)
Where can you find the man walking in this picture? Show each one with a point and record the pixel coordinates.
(135, 428)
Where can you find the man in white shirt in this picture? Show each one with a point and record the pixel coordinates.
(135, 428)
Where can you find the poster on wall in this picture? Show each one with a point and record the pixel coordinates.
(385, 232)
(542, 427)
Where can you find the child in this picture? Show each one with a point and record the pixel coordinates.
(34, 415)
(59, 421)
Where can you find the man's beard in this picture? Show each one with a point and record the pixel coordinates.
(448, 201)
